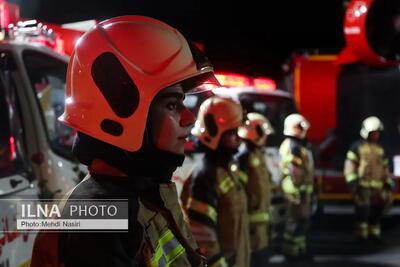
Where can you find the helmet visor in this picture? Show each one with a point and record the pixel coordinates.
(200, 83)
(205, 80)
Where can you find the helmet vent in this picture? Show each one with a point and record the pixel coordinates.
(112, 127)
(259, 131)
(115, 84)
(211, 125)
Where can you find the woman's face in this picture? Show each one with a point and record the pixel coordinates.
(230, 139)
(170, 120)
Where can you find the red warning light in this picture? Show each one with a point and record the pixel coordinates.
(264, 83)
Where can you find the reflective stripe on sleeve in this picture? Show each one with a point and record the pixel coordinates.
(243, 177)
(350, 177)
(203, 208)
(288, 186)
(308, 188)
(352, 156)
(259, 217)
(375, 229)
(385, 162)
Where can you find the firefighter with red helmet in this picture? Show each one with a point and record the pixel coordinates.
(367, 174)
(126, 82)
(214, 199)
(297, 185)
(251, 160)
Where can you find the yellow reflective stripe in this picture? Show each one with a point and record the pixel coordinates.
(220, 263)
(288, 236)
(352, 156)
(27, 263)
(390, 182)
(240, 174)
(167, 250)
(376, 183)
(364, 183)
(259, 217)
(306, 188)
(300, 239)
(362, 229)
(363, 226)
(288, 186)
(255, 162)
(226, 185)
(371, 183)
(287, 158)
(375, 230)
(290, 158)
(243, 177)
(351, 177)
(203, 208)
(176, 252)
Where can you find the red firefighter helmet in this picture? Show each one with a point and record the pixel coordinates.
(216, 116)
(116, 70)
(256, 129)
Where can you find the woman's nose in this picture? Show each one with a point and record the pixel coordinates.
(187, 118)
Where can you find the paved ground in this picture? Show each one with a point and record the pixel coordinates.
(332, 244)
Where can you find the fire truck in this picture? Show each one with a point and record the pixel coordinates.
(335, 92)
(35, 149)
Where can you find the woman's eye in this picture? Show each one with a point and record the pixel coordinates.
(172, 106)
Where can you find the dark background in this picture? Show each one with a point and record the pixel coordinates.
(249, 37)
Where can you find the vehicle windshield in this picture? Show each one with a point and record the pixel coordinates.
(11, 143)
(193, 101)
(48, 78)
(7, 153)
(275, 108)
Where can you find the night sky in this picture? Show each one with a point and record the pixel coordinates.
(249, 37)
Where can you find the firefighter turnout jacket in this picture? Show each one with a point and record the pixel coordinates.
(217, 210)
(258, 188)
(297, 168)
(158, 235)
(367, 165)
(297, 185)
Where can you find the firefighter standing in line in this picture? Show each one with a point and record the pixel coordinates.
(367, 174)
(258, 186)
(125, 99)
(297, 185)
(214, 198)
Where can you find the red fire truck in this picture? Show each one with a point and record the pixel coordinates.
(336, 92)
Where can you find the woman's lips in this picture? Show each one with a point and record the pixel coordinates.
(184, 138)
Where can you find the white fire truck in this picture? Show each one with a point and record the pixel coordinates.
(35, 149)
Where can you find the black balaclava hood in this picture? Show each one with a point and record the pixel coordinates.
(221, 156)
